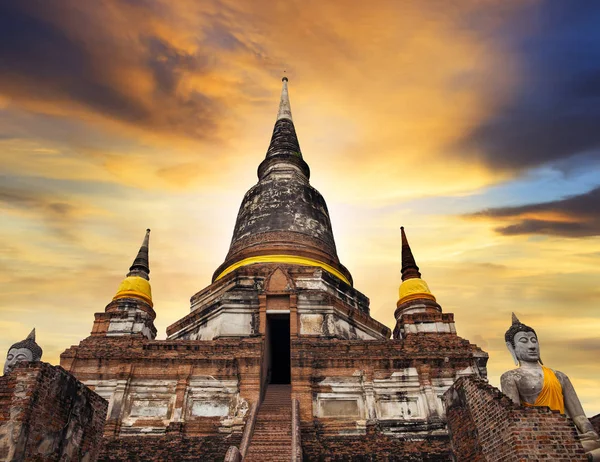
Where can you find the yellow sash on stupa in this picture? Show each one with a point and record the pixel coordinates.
(551, 394)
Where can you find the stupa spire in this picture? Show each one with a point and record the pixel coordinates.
(285, 111)
(284, 147)
(136, 284)
(141, 265)
(410, 270)
(412, 286)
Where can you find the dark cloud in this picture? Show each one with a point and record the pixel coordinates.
(554, 114)
(36, 202)
(49, 59)
(37, 56)
(56, 213)
(219, 36)
(167, 64)
(576, 216)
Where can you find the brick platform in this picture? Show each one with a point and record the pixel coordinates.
(167, 448)
(48, 415)
(485, 425)
(318, 445)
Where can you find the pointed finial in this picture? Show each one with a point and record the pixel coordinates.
(410, 269)
(141, 265)
(285, 111)
(515, 320)
(31, 335)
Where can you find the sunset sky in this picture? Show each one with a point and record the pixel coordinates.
(474, 124)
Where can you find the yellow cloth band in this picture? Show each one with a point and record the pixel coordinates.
(551, 394)
(294, 260)
(414, 288)
(136, 287)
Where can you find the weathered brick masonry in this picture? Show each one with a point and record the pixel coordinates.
(485, 425)
(169, 400)
(384, 377)
(48, 415)
(372, 446)
(596, 422)
(281, 310)
(167, 448)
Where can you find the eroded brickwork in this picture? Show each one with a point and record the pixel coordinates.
(48, 415)
(373, 446)
(379, 398)
(350, 380)
(358, 396)
(165, 393)
(485, 425)
(167, 448)
(596, 422)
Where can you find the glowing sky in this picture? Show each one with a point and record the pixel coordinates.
(473, 124)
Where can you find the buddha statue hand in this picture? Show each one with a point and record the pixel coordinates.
(594, 455)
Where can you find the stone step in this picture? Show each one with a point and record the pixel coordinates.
(279, 445)
(277, 411)
(269, 458)
(282, 408)
(274, 413)
(272, 438)
(275, 431)
(266, 453)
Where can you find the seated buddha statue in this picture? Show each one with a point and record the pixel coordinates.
(533, 384)
(25, 350)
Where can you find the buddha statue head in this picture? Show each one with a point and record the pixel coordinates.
(25, 350)
(522, 342)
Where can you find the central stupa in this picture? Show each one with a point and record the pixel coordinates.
(282, 227)
(282, 218)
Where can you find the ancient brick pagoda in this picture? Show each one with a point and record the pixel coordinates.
(279, 357)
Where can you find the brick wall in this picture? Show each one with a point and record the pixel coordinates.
(357, 370)
(485, 425)
(167, 447)
(596, 422)
(48, 415)
(374, 446)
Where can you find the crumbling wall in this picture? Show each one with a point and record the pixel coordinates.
(167, 448)
(377, 400)
(596, 422)
(485, 425)
(46, 414)
(319, 443)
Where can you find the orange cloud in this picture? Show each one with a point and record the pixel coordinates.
(157, 114)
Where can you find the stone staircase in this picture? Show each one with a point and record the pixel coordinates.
(272, 438)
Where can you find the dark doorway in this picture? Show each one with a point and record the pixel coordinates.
(279, 346)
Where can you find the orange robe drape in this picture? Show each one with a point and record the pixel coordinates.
(551, 394)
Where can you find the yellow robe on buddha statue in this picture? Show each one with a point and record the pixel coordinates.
(551, 394)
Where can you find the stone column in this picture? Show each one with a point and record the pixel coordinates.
(262, 314)
(180, 398)
(430, 402)
(294, 322)
(113, 423)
